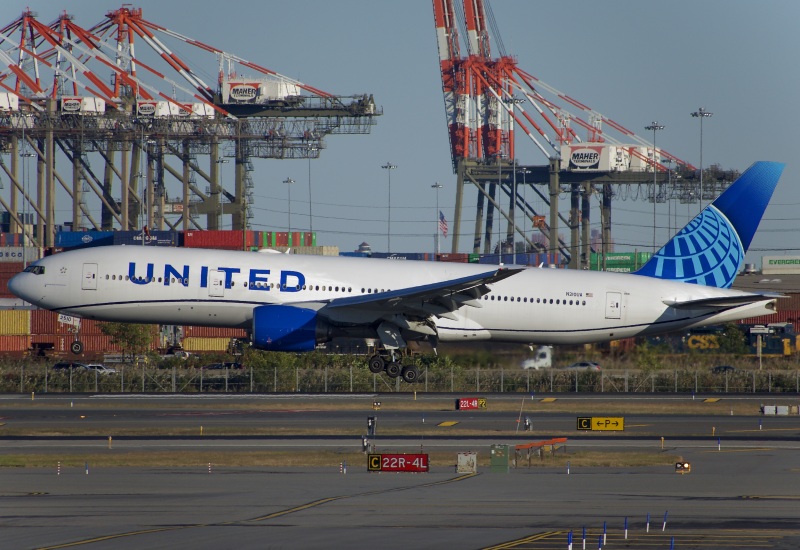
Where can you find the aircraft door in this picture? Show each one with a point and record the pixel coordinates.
(613, 305)
(216, 283)
(89, 281)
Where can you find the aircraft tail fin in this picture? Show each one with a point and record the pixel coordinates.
(710, 249)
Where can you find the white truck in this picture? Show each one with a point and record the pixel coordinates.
(542, 359)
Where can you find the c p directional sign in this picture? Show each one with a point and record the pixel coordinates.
(601, 423)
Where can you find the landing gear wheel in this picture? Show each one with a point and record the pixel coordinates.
(376, 364)
(410, 374)
(76, 347)
(393, 370)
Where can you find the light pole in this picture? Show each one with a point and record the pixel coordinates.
(513, 101)
(311, 149)
(655, 126)
(289, 182)
(437, 186)
(389, 167)
(25, 154)
(701, 113)
(669, 197)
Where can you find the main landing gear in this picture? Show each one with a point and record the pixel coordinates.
(393, 368)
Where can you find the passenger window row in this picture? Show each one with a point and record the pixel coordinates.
(315, 288)
(556, 301)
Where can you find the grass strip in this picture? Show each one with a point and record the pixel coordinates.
(320, 459)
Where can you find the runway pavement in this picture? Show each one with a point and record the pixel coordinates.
(742, 492)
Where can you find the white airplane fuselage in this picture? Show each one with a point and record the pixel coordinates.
(221, 288)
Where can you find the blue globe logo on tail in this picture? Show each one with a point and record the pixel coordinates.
(706, 252)
(710, 249)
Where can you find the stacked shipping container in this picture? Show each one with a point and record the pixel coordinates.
(46, 332)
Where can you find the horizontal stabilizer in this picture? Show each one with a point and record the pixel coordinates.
(722, 302)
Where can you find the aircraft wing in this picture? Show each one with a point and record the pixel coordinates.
(440, 298)
(721, 302)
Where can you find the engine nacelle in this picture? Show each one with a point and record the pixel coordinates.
(287, 328)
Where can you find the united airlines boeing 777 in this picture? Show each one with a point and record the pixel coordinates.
(293, 302)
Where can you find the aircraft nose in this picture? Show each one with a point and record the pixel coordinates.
(17, 285)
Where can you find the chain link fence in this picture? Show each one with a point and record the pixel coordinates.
(355, 378)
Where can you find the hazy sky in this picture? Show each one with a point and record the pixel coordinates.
(633, 61)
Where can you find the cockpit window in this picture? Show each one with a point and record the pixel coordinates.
(35, 269)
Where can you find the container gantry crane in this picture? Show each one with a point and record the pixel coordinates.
(488, 99)
(120, 93)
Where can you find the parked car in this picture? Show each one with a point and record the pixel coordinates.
(585, 365)
(177, 354)
(722, 369)
(102, 369)
(66, 365)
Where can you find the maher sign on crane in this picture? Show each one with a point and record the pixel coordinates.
(263, 91)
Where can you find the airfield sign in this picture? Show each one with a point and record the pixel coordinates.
(397, 463)
(601, 423)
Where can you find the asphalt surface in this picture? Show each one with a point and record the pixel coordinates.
(742, 492)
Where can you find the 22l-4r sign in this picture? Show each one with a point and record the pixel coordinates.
(397, 463)
(467, 403)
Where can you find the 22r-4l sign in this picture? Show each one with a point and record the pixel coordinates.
(397, 463)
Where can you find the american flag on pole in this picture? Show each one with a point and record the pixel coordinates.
(442, 223)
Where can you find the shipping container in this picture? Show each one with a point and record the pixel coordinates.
(474, 258)
(14, 303)
(280, 238)
(10, 239)
(205, 344)
(46, 322)
(93, 344)
(11, 267)
(307, 250)
(4, 278)
(16, 254)
(81, 239)
(12, 344)
(780, 265)
(43, 321)
(416, 256)
(788, 316)
(453, 257)
(15, 322)
(631, 261)
(213, 332)
(151, 238)
(219, 239)
(489, 259)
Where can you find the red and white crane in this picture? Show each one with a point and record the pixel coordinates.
(488, 98)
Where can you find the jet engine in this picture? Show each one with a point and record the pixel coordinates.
(288, 328)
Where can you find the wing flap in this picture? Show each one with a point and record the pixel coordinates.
(440, 298)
